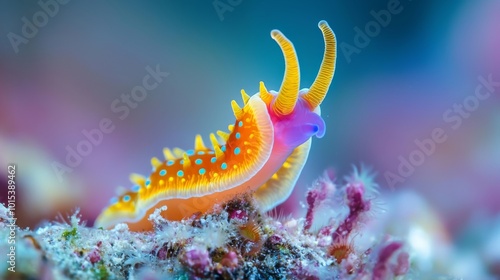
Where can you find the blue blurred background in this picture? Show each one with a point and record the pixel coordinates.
(391, 90)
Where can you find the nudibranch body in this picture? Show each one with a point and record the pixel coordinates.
(263, 153)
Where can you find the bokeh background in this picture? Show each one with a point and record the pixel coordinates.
(384, 96)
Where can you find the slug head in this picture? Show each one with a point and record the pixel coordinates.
(296, 113)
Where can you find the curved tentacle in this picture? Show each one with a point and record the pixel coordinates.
(319, 88)
(289, 91)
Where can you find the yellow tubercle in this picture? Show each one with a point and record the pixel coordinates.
(137, 179)
(215, 144)
(236, 109)
(198, 143)
(155, 162)
(178, 152)
(223, 135)
(168, 154)
(265, 95)
(187, 162)
(244, 96)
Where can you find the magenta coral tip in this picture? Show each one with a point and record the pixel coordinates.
(381, 269)
(197, 260)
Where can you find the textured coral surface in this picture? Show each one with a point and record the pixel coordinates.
(236, 241)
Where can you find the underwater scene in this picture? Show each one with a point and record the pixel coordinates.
(236, 139)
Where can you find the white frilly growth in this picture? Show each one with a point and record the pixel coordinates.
(156, 218)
